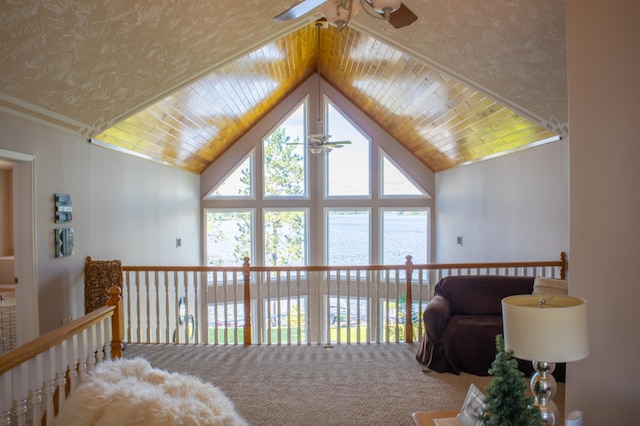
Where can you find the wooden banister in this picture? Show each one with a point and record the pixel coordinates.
(29, 350)
(318, 280)
(117, 321)
(246, 272)
(408, 303)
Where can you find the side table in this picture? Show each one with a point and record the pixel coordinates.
(425, 418)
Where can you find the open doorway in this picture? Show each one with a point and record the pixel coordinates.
(8, 336)
(18, 241)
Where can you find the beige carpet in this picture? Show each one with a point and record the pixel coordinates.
(375, 384)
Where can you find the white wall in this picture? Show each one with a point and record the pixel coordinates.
(124, 207)
(604, 101)
(509, 208)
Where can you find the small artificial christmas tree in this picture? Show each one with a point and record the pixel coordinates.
(506, 402)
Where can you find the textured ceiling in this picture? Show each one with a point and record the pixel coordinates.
(87, 66)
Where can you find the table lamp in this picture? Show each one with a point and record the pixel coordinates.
(545, 329)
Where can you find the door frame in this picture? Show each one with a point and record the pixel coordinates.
(24, 244)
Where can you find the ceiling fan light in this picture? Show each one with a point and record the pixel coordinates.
(315, 150)
(386, 6)
(337, 11)
(380, 5)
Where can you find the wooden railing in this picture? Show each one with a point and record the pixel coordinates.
(37, 377)
(295, 304)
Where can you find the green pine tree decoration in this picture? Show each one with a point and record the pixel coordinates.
(506, 402)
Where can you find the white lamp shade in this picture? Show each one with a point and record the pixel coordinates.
(552, 331)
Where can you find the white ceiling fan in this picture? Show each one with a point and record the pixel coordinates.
(319, 143)
(340, 12)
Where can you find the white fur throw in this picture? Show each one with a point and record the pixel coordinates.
(131, 392)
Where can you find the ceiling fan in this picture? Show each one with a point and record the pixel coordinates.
(340, 12)
(319, 143)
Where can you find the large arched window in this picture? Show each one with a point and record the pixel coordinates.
(282, 197)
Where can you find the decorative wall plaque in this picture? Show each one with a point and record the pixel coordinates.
(63, 208)
(64, 242)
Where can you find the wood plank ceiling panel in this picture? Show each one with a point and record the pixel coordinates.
(195, 125)
(437, 118)
(442, 121)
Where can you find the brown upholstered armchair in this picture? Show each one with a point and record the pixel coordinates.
(463, 319)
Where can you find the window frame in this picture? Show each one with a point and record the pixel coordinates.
(304, 104)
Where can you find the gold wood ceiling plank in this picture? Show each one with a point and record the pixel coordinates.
(407, 91)
(433, 103)
(162, 129)
(459, 117)
(262, 71)
(119, 138)
(168, 127)
(237, 103)
(451, 117)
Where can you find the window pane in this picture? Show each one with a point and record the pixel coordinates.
(284, 238)
(238, 183)
(348, 237)
(284, 165)
(394, 181)
(228, 236)
(404, 232)
(347, 167)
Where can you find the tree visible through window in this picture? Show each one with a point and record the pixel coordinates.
(284, 242)
(284, 174)
(228, 236)
(351, 217)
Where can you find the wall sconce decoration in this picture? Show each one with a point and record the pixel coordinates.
(63, 208)
(64, 242)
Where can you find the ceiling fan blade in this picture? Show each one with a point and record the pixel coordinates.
(402, 17)
(318, 137)
(339, 143)
(298, 10)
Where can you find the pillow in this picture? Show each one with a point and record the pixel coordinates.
(544, 285)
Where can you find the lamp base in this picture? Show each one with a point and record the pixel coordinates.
(543, 386)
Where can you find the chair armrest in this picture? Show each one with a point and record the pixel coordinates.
(436, 317)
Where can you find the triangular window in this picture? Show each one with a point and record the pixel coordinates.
(238, 183)
(396, 182)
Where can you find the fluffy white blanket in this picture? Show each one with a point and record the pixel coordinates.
(131, 392)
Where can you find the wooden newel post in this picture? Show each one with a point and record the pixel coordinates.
(117, 321)
(246, 271)
(408, 333)
(563, 265)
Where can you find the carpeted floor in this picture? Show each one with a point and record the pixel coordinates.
(374, 384)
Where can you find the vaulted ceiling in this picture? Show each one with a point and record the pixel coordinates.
(180, 81)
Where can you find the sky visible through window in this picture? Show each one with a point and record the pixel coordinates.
(349, 236)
